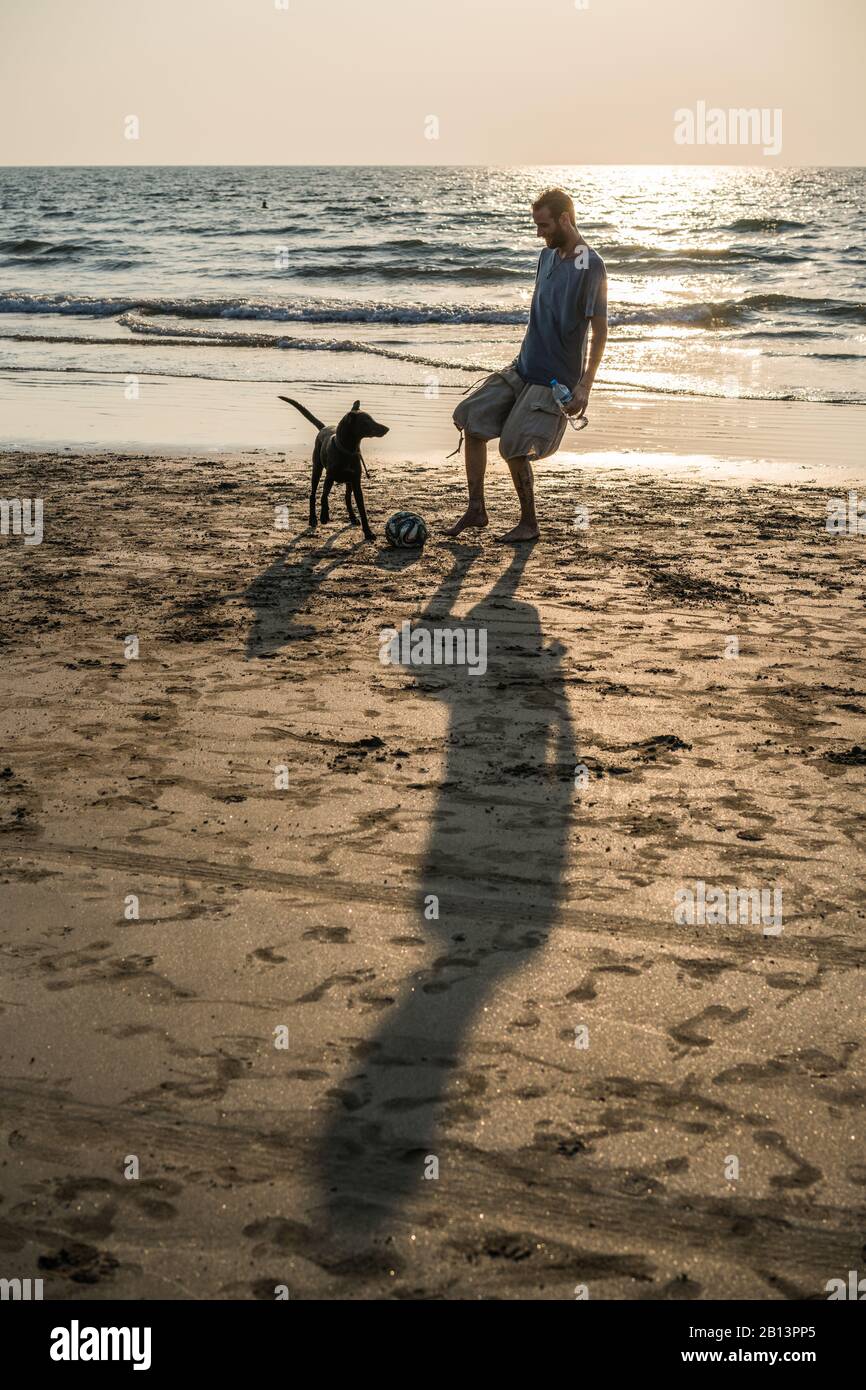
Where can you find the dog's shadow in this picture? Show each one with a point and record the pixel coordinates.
(284, 590)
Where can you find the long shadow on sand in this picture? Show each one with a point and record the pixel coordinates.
(283, 591)
(494, 861)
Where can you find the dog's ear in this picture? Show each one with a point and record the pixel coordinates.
(357, 405)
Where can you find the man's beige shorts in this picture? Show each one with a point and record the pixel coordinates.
(524, 418)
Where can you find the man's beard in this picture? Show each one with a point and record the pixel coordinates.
(557, 239)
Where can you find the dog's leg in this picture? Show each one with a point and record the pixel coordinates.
(359, 498)
(353, 520)
(324, 512)
(314, 485)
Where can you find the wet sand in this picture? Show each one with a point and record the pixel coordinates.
(312, 906)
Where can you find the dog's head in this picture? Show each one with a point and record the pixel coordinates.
(358, 425)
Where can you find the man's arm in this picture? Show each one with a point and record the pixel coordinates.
(577, 404)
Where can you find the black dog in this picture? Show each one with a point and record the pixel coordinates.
(336, 453)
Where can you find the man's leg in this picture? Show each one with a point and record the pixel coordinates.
(476, 463)
(527, 527)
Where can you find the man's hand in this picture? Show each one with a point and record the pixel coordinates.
(577, 404)
(579, 400)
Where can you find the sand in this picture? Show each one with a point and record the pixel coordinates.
(310, 907)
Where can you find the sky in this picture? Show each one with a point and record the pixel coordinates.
(412, 82)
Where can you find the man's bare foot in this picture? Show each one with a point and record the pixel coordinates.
(471, 518)
(521, 532)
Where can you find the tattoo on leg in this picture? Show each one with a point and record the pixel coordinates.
(522, 475)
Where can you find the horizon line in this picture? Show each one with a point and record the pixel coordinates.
(588, 164)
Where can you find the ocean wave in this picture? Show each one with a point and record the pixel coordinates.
(99, 306)
(630, 251)
(23, 246)
(31, 247)
(810, 333)
(818, 356)
(764, 224)
(120, 264)
(84, 305)
(677, 264)
(160, 335)
(698, 314)
(352, 267)
(233, 232)
(426, 262)
(226, 338)
(729, 313)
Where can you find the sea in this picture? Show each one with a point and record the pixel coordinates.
(741, 283)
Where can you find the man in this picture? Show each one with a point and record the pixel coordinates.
(517, 405)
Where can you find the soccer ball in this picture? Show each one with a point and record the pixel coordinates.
(406, 529)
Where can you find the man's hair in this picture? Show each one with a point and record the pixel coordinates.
(558, 201)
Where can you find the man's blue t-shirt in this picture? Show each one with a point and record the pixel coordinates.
(569, 291)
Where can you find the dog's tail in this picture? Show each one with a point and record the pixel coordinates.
(303, 409)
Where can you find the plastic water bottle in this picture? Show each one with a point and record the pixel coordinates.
(562, 396)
